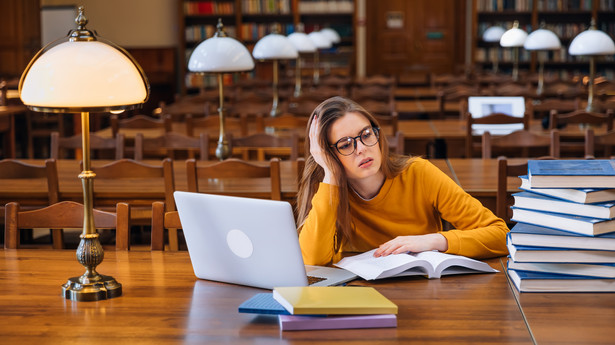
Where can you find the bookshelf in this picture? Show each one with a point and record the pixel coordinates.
(250, 20)
(566, 18)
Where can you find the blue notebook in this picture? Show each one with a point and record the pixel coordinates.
(523, 234)
(577, 224)
(262, 303)
(538, 202)
(548, 282)
(571, 173)
(579, 195)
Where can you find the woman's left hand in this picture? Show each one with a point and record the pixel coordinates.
(413, 244)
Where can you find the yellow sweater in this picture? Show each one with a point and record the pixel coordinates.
(409, 204)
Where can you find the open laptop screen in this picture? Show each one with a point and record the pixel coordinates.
(483, 106)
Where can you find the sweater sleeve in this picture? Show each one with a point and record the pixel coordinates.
(477, 232)
(317, 235)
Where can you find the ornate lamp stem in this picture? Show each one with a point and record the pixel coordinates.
(223, 151)
(274, 109)
(591, 107)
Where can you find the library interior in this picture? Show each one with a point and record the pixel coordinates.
(110, 109)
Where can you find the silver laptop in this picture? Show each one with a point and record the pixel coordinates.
(248, 241)
(483, 106)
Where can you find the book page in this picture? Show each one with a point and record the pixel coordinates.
(369, 267)
(453, 264)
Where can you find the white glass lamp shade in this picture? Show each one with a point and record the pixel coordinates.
(77, 76)
(542, 39)
(493, 34)
(274, 46)
(333, 36)
(220, 54)
(592, 42)
(514, 37)
(320, 40)
(302, 42)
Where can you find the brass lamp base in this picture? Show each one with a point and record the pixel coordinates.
(105, 288)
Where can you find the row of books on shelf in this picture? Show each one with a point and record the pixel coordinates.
(266, 6)
(198, 33)
(564, 239)
(324, 307)
(607, 5)
(256, 31)
(564, 5)
(504, 5)
(326, 6)
(208, 7)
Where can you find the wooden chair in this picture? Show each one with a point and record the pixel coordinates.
(170, 144)
(606, 141)
(397, 143)
(491, 119)
(541, 109)
(128, 169)
(212, 122)
(302, 107)
(267, 144)
(235, 170)
(64, 215)
(161, 220)
(503, 199)
(572, 147)
(449, 101)
(285, 121)
(377, 79)
(98, 145)
(178, 110)
(39, 127)
(45, 175)
(523, 140)
(139, 122)
(360, 94)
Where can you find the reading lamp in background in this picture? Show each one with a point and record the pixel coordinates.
(321, 41)
(514, 38)
(542, 40)
(592, 42)
(274, 47)
(220, 54)
(335, 38)
(304, 45)
(83, 73)
(492, 36)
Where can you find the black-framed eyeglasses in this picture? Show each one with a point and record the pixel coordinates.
(347, 145)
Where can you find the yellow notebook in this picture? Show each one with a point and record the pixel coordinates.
(333, 300)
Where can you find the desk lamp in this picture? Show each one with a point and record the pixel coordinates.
(592, 42)
(274, 47)
(301, 41)
(514, 38)
(541, 40)
(83, 73)
(493, 35)
(321, 41)
(220, 54)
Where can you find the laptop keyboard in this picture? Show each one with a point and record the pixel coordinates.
(314, 280)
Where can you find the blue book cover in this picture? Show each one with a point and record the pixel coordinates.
(521, 253)
(525, 228)
(262, 303)
(573, 173)
(578, 195)
(573, 223)
(538, 202)
(526, 281)
(584, 270)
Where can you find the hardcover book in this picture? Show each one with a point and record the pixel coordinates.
(589, 270)
(580, 195)
(560, 255)
(523, 234)
(333, 300)
(577, 224)
(307, 322)
(549, 282)
(533, 201)
(430, 264)
(573, 173)
(262, 303)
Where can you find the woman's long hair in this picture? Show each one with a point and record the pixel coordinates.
(328, 112)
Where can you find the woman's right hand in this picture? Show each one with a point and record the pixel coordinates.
(318, 153)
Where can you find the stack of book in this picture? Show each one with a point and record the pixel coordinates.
(564, 239)
(324, 307)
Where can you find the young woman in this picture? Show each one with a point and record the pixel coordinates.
(355, 196)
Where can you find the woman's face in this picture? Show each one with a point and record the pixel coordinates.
(365, 161)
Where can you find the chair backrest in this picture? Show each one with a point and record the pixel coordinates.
(65, 214)
(196, 106)
(170, 144)
(543, 108)
(302, 107)
(388, 121)
(491, 119)
(235, 169)
(397, 143)
(503, 199)
(98, 144)
(285, 121)
(581, 117)
(139, 122)
(607, 141)
(522, 140)
(161, 220)
(380, 93)
(263, 142)
(212, 123)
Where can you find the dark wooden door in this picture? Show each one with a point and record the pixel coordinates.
(20, 37)
(407, 35)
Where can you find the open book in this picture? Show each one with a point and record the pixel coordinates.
(431, 264)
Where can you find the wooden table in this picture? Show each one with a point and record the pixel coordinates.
(163, 303)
